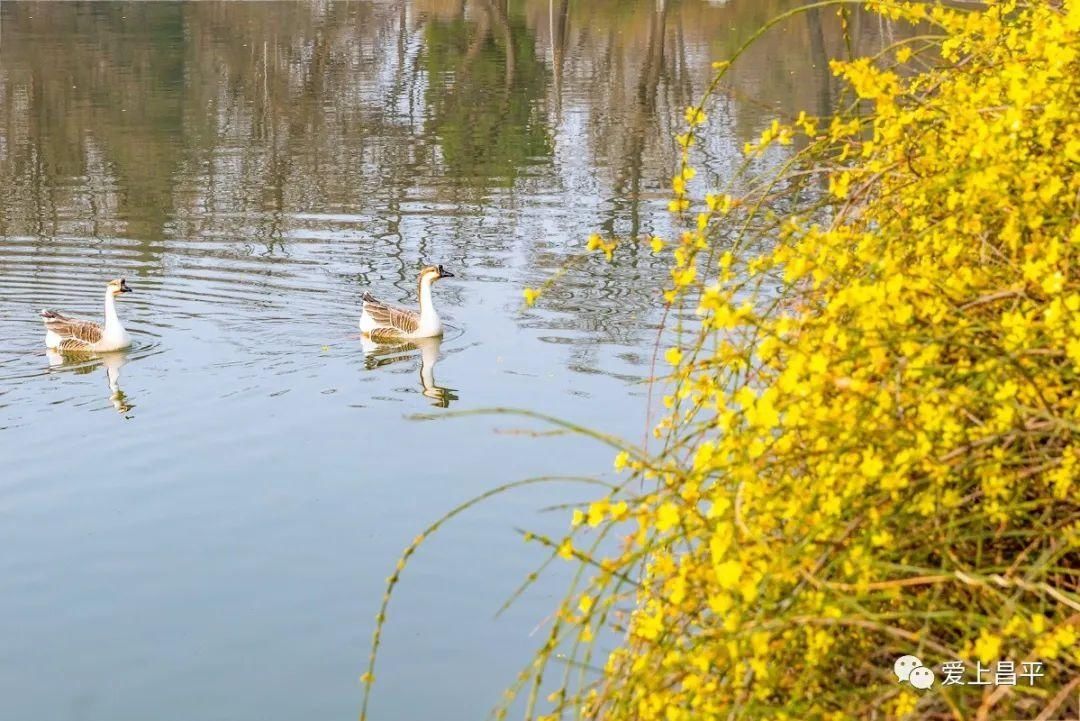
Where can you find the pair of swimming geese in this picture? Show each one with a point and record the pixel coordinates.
(379, 321)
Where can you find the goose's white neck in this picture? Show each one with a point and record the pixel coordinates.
(430, 325)
(428, 315)
(113, 327)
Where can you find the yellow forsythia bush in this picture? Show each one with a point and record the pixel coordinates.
(873, 438)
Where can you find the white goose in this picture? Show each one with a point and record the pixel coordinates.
(83, 336)
(382, 322)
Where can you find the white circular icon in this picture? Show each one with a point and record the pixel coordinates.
(911, 669)
(904, 666)
(921, 677)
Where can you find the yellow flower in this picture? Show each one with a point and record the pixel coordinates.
(728, 574)
(678, 205)
(987, 647)
(694, 116)
(839, 183)
(566, 549)
(596, 513)
(667, 516)
(871, 465)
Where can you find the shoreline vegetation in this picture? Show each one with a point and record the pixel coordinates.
(872, 429)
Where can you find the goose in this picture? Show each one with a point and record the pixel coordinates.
(74, 336)
(382, 322)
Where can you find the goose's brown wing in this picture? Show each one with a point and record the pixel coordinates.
(80, 332)
(390, 321)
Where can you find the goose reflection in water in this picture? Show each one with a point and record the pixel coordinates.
(377, 355)
(83, 363)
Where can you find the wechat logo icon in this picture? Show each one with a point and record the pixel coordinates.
(911, 669)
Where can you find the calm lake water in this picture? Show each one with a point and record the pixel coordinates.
(201, 527)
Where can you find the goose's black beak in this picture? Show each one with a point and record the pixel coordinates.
(124, 287)
(445, 273)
